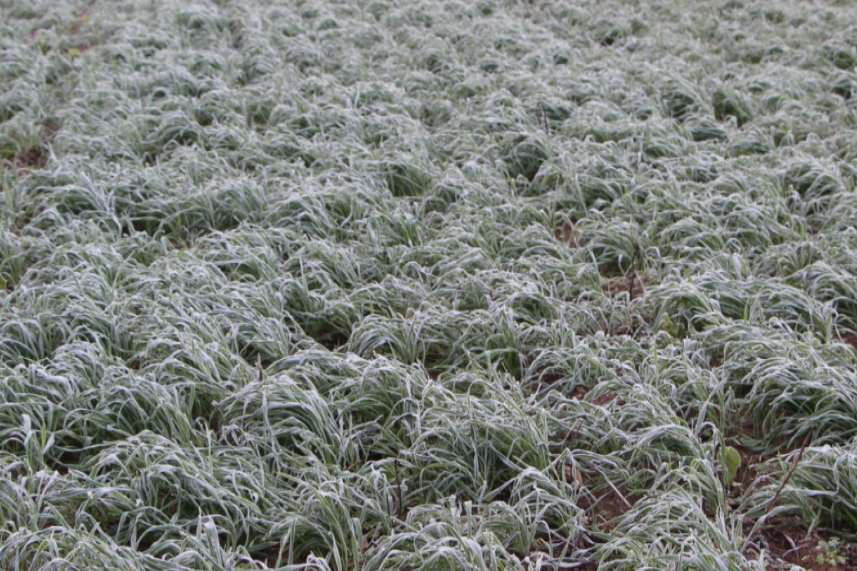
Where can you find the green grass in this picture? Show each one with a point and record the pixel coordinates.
(429, 285)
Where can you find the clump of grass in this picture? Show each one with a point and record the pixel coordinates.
(523, 156)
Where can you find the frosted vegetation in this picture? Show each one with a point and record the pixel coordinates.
(436, 285)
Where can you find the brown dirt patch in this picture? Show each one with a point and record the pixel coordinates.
(787, 542)
(566, 233)
(639, 328)
(606, 399)
(633, 285)
(849, 338)
(607, 502)
(579, 392)
(23, 163)
(610, 506)
(37, 157)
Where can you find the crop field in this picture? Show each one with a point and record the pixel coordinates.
(364, 285)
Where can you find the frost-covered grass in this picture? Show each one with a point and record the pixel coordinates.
(430, 284)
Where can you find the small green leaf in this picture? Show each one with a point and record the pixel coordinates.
(732, 460)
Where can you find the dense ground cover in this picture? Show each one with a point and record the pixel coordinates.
(427, 285)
